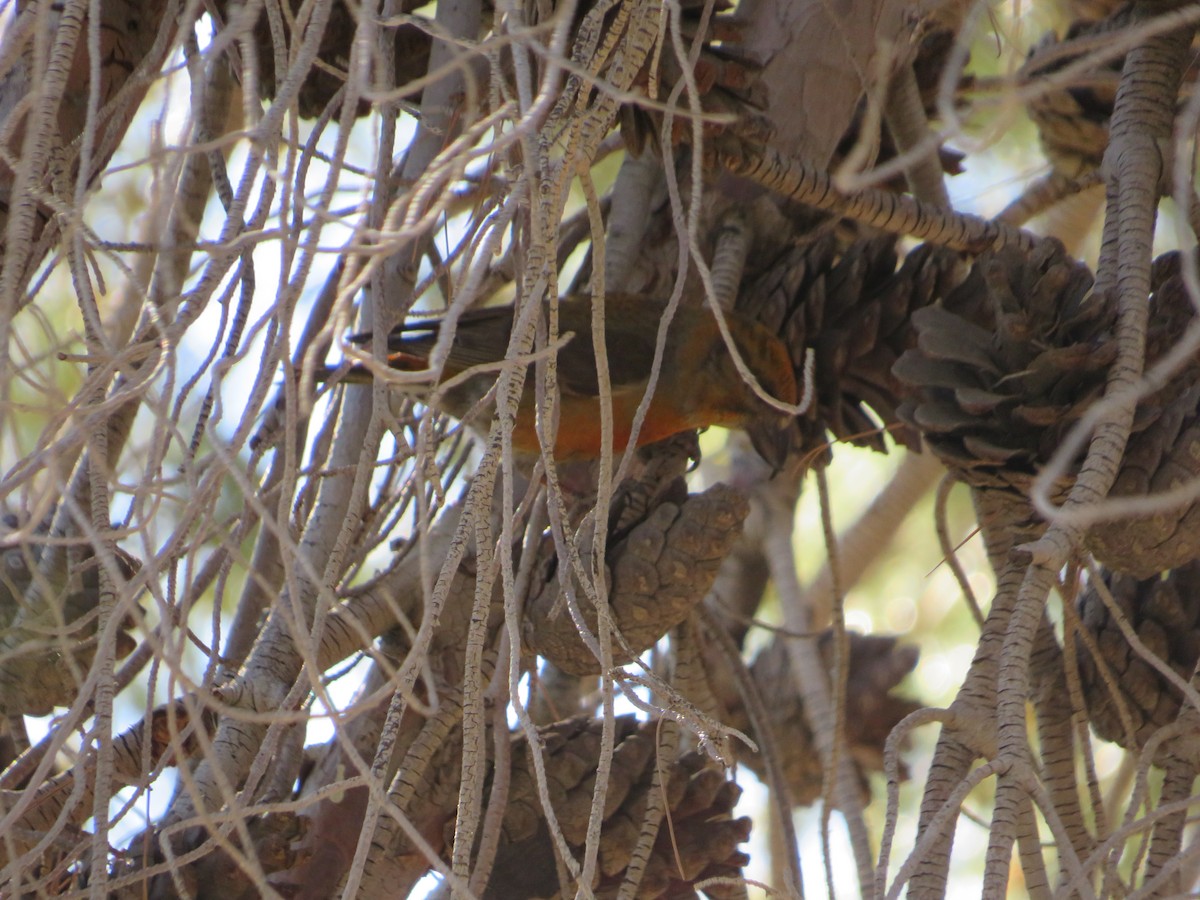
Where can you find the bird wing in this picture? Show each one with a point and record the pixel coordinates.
(629, 340)
(482, 335)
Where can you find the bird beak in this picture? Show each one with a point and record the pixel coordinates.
(773, 439)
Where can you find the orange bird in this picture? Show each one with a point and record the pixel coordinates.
(697, 386)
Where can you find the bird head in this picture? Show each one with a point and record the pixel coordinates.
(767, 358)
(769, 428)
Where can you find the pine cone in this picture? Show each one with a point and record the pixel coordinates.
(327, 78)
(699, 798)
(877, 664)
(659, 571)
(725, 78)
(1165, 614)
(852, 309)
(1006, 364)
(1164, 455)
(1072, 119)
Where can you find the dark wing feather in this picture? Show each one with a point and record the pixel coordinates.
(631, 325)
(479, 333)
(483, 334)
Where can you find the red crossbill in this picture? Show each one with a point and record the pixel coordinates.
(698, 384)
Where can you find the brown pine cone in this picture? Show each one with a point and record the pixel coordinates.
(699, 797)
(1072, 119)
(1165, 614)
(328, 76)
(877, 664)
(1162, 456)
(1006, 364)
(725, 79)
(852, 309)
(659, 571)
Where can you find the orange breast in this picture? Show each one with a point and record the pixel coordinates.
(579, 430)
